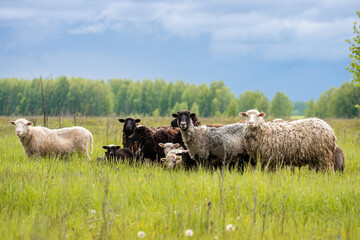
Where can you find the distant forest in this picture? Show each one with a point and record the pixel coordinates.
(69, 96)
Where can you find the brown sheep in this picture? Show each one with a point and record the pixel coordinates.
(128, 132)
(148, 140)
(115, 153)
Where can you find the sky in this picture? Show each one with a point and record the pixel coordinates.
(294, 46)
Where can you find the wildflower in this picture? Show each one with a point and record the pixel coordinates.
(216, 237)
(92, 211)
(189, 233)
(141, 234)
(230, 227)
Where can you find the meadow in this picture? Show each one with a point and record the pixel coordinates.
(78, 199)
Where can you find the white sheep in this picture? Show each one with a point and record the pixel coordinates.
(174, 159)
(213, 146)
(170, 146)
(173, 154)
(41, 142)
(298, 143)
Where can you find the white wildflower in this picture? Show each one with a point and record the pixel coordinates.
(92, 211)
(141, 234)
(189, 233)
(230, 227)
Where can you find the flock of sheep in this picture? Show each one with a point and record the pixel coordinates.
(186, 143)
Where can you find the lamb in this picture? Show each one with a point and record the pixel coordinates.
(298, 143)
(211, 146)
(148, 140)
(173, 159)
(42, 142)
(115, 153)
(174, 155)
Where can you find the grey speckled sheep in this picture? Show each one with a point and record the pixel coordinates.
(298, 143)
(41, 142)
(211, 146)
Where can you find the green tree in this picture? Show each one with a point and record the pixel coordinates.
(179, 107)
(321, 109)
(354, 48)
(310, 110)
(204, 104)
(195, 108)
(253, 100)
(299, 108)
(343, 100)
(223, 96)
(281, 105)
(233, 108)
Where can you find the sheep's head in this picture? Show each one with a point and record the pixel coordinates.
(111, 151)
(253, 118)
(21, 126)
(169, 146)
(171, 160)
(129, 125)
(184, 118)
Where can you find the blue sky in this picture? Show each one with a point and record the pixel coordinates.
(294, 46)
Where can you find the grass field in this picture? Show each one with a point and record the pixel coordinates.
(78, 199)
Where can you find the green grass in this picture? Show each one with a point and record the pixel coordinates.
(78, 199)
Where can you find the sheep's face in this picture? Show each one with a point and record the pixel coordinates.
(111, 151)
(168, 147)
(253, 118)
(129, 125)
(183, 119)
(21, 127)
(171, 160)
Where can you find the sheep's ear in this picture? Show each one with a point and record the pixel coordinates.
(137, 120)
(12, 122)
(121, 120)
(242, 114)
(162, 145)
(175, 115)
(193, 115)
(117, 147)
(105, 147)
(262, 114)
(176, 145)
(163, 159)
(29, 124)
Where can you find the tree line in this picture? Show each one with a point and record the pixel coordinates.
(79, 96)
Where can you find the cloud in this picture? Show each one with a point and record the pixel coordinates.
(96, 28)
(276, 29)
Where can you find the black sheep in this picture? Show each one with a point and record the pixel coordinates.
(148, 140)
(115, 153)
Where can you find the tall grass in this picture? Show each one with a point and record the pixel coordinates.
(79, 199)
